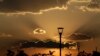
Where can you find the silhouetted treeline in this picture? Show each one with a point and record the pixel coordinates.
(83, 53)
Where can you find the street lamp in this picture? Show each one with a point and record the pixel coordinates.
(60, 31)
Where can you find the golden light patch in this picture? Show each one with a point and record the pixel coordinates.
(39, 31)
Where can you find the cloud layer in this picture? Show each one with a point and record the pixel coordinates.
(29, 5)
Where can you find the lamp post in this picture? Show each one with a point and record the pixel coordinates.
(60, 31)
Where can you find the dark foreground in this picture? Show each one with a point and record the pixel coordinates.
(48, 52)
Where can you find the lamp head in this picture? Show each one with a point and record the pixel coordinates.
(60, 30)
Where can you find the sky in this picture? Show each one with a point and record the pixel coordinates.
(20, 18)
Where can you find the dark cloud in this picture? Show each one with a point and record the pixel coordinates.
(79, 36)
(92, 27)
(28, 5)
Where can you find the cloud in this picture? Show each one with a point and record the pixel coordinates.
(35, 13)
(39, 31)
(80, 0)
(5, 35)
(92, 7)
(29, 5)
(1, 0)
(85, 8)
(79, 36)
(92, 27)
